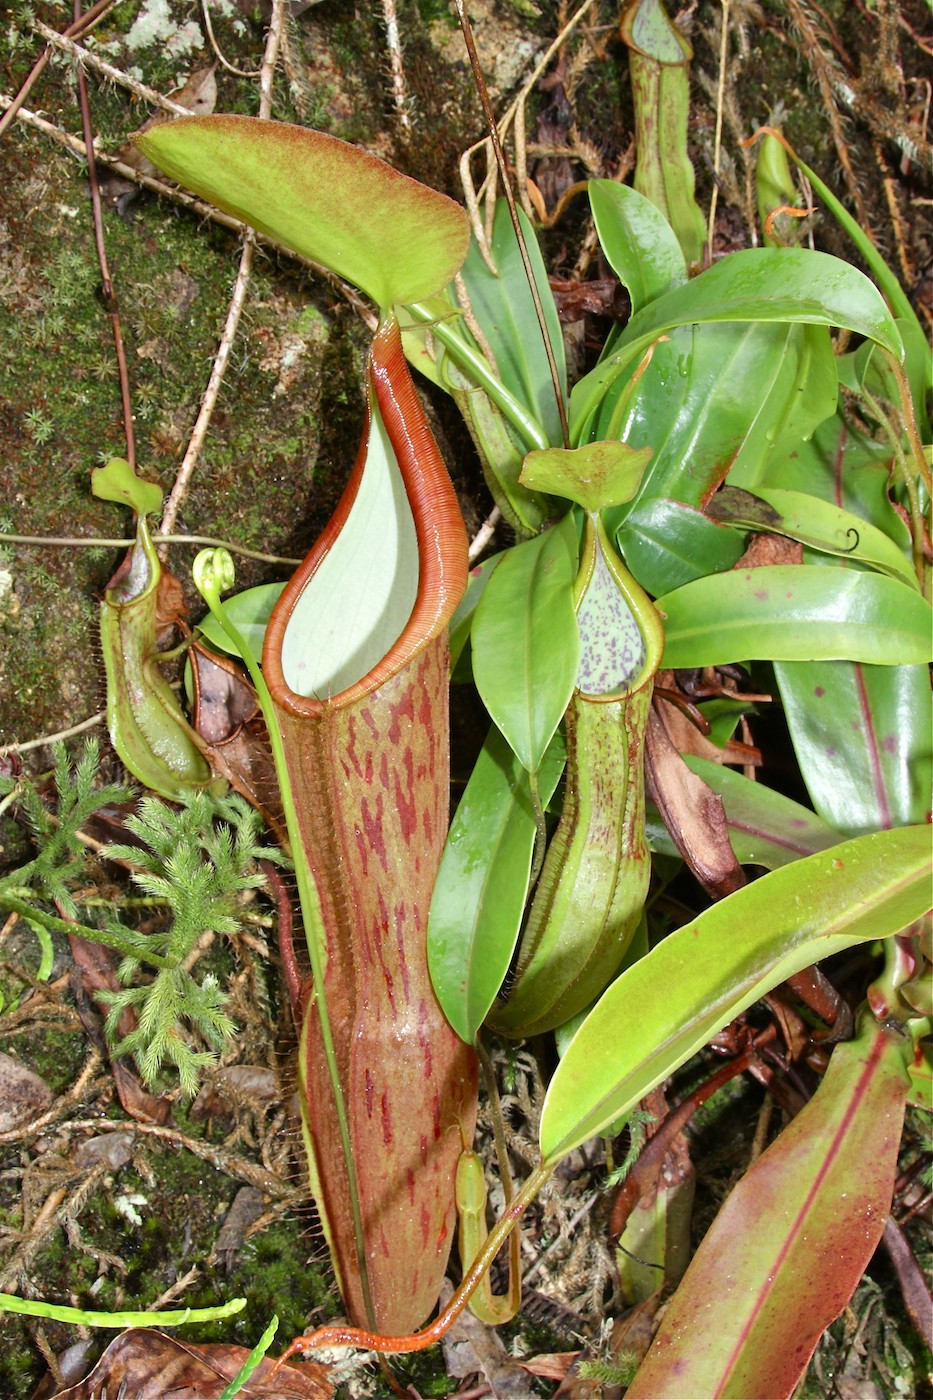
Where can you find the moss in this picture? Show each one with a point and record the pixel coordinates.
(56, 1056)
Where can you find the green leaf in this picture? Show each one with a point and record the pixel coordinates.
(722, 398)
(526, 646)
(250, 612)
(862, 736)
(825, 527)
(117, 481)
(841, 466)
(594, 476)
(505, 311)
(705, 974)
(792, 612)
(479, 896)
(789, 1246)
(754, 284)
(667, 544)
(462, 621)
(639, 244)
(389, 235)
(919, 358)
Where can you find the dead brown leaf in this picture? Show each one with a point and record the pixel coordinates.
(234, 1084)
(470, 1347)
(770, 549)
(226, 715)
(685, 735)
(149, 1365)
(692, 812)
(95, 974)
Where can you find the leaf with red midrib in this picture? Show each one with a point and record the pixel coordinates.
(784, 1255)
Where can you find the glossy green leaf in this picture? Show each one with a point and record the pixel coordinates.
(479, 896)
(791, 612)
(721, 398)
(841, 466)
(462, 620)
(639, 244)
(919, 357)
(862, 736)
(822, 526)
(754, 284)
(661, 1011)
(526, 647)
(667, 544)
(250, 612)
(505, 311)
(387, 234)
(789, 1246)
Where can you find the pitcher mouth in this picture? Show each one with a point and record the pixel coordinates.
(386, 574)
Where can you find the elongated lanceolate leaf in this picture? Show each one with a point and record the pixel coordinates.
(828, 528)
(389, 235)
(661, 1011)
(504, 308)
(479, 894)
(526, 647)
(863, 738)
(720, 398)
(639, 244)
(755, 284)
(790, 612)
(786, 1251)
(462, 621)
(919, 360)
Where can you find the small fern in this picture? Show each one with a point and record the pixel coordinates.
(196, 860)
(637, 1123)
(60, 857)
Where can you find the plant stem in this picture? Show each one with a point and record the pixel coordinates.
(337, 1336)
(473, 364)
(94, 935)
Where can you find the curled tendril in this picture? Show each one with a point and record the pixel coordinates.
(855, 543)
(214, 573)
